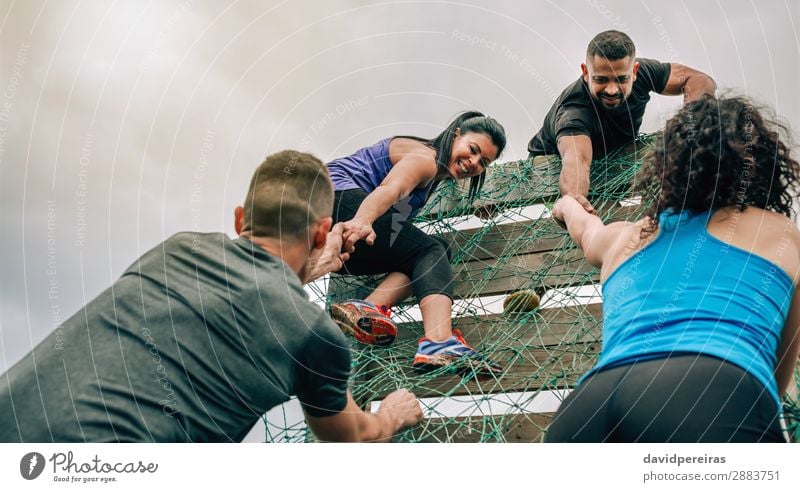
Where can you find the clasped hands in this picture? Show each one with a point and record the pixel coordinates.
(558, 211)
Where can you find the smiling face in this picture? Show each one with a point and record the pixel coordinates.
(470, 154)
(610, 82)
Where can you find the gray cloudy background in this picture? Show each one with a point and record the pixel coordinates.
(123, 122)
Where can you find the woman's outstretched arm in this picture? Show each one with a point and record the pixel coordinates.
(411, 171)
(597, 240)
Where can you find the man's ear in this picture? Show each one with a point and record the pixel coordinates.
(322, 229)
(635, 70)
(585, 72)
(238, 219)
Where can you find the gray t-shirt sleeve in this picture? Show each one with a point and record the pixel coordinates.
(323, 370)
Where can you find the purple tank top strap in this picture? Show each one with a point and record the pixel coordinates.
(366, 168)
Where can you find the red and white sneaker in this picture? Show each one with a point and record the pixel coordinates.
(366, 322)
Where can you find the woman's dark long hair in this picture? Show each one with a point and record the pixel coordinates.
(720, 152)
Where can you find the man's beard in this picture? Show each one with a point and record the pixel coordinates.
(616, 102)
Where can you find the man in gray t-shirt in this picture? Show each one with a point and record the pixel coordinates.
(203, 334)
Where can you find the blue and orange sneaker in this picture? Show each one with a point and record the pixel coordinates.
(432, 355)
(366, 322)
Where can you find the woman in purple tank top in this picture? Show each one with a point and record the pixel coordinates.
(701, 310)
(377, 190)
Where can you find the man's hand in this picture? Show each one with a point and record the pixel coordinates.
(330, 258)
(355, 230)
(559, 209)
(400, 409)
(584, 203)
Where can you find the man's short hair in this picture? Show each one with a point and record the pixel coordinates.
(611, 45)
(289, 191)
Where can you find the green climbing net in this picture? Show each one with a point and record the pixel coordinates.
(515, 247)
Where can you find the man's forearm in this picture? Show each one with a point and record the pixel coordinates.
(353, 424)
(321, 266)
(380, 426)
(574, 180)
(329, 259)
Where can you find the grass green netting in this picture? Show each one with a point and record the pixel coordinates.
(543, 351)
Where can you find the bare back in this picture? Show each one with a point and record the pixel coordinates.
(769, 235)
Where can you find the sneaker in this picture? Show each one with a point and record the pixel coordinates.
(431, 355)
(367, 323)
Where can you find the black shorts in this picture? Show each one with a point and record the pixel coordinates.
(687, 398)
(399, 247)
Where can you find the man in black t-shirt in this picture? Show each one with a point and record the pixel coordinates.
(203, 334)
(603, 109)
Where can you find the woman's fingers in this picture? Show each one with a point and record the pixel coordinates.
(354, 233)
(350, 242)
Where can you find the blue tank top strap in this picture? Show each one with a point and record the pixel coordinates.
(688, 222)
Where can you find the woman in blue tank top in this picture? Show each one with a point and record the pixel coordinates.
(700, 306)
(378, 189)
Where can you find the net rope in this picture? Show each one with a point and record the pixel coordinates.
(517, 247)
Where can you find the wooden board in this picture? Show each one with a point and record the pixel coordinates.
(526, 368)
(508, 184)
(527, 344)
(544, 328)
(519, 428)
(539, 271)
(494, 242)
(531, 181)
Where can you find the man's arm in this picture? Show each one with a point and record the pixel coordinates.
(398, 410)
(576, 158)
(330, 258)
(689, 82)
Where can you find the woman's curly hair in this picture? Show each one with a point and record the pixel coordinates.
(720, 152)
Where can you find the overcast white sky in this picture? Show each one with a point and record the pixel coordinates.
(123, 122)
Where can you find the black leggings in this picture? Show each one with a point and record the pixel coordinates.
(687, 398)
(399, 247)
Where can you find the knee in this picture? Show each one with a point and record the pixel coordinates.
(432, 251)
(442, 247)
